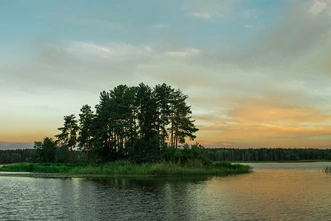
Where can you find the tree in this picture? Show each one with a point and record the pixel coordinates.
(163, 94)
(5, 157)
(45, 150)
(68, 136)
(146, 146)
(85, 125)
(135, 123)
(115, 123)
(181, 125)
(101, 128)
(123, 120)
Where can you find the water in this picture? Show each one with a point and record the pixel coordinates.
(274, 191)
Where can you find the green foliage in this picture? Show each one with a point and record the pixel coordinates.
(45, 150)
(62, 154)
(16, 156)
(230, 168)
(68, 136)
(181, 125)
(85, 127)
(16, 167)
(128, 168)
(172, 154)
(137, 123)
(193, 155)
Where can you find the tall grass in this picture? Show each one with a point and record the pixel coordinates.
(128, 168)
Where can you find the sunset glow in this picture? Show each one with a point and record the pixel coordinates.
(258, 73)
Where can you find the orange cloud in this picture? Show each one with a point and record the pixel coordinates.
(268, 123)
(271, 111)
(265, 135)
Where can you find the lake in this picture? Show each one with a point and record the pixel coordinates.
(274, 191)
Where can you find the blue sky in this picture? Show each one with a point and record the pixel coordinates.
(257, 72)
(192, 23)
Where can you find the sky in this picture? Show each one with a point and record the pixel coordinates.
(257, 72)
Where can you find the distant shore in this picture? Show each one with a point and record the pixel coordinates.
(281, 161)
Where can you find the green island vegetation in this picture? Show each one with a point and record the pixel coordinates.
(129, 168)
(134, 131)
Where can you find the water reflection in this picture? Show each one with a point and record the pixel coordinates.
(269, 193)
(275, 194)
(142, 198)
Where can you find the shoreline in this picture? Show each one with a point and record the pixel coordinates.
(283, 161)
(124, 168)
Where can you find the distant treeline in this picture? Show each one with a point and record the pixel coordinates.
(30, 155)
(16, 156)
(267, 154)
(186, 155)
(214, 154)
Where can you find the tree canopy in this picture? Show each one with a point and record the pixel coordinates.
(136, 123)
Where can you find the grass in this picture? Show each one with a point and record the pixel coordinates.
(128, 168)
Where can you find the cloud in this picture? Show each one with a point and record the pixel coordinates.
(204, 15)
(183, 53)
(317, 7)
(269, 91)
(272, 111)
(275, 93)
(77, 65)
(118, 52)
(257, 135)
(207, 15)
(209, 9)
(297, 35)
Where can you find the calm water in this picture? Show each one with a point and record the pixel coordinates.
(274, 191)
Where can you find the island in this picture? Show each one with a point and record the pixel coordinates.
(137, 130)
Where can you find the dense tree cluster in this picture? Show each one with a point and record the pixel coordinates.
(267, 154)
(136, 123)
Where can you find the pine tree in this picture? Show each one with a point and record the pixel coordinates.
(85, 124)
(146, 146)
(181, 125)
(101, 128)
(68, 136)
(163, 95)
